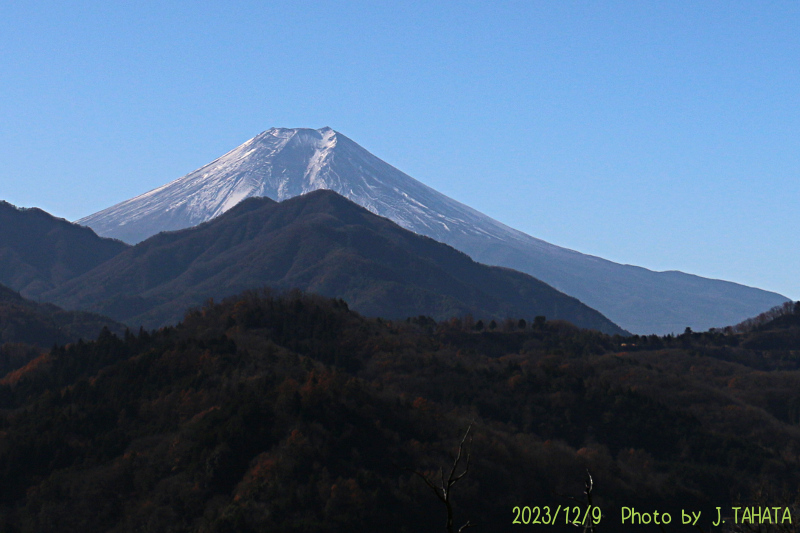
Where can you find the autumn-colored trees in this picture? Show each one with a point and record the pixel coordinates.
(292, 413)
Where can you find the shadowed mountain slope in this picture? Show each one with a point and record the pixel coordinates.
(281, 163)
(39, 251)
(43, 325)
(318, 242)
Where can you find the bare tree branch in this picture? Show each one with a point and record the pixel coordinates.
(466, 526)
(443, 492)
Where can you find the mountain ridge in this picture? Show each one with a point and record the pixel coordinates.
(281, 163)
(40, 251)
(319, 242)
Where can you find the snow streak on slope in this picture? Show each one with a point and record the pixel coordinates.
(282, 163)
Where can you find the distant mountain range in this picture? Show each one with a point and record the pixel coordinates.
(283, 163)
(319, 242)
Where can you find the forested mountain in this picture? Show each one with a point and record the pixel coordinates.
(43, 325)
(291, 413)
(28, 328)
(281, 163)
(39, 251)
(319, 242)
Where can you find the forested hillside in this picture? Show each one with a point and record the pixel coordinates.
(27, 328)
(292, 413)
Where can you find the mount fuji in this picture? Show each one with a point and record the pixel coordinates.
(281, 163)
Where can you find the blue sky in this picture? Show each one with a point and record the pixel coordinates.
(661, 134)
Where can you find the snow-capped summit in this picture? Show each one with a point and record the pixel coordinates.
(281, 163)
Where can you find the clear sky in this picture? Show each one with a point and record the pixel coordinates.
(660, 134)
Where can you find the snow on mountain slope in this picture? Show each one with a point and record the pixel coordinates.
(282, 163)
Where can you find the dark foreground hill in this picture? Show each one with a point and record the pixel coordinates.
(39, 251)
(318, 242)
(294, 414)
